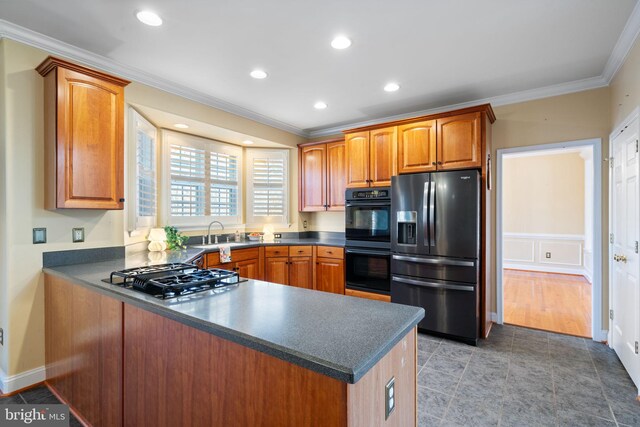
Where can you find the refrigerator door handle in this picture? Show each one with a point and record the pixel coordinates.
(425, 213)
(432, 214)
(426, 284)
(434, 261)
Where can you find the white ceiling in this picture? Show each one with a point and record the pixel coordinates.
(440, 52)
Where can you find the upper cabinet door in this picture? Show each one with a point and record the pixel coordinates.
(336, 175)
(357, 159)
(382, 156)
(417, 147)
(312, 191)
(84, 134)
(459, 142)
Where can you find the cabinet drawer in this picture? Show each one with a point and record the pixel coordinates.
(299, 250)
(213, 258)
(275, 251)
(330, 252)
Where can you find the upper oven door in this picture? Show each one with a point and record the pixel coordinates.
(368, 221)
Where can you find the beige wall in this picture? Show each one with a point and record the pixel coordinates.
(4, 300)
(22, 162)
(625, 87)
(544, 194)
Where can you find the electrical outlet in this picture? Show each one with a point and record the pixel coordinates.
(1, 336)
(304, 224)
(389, 397)
(39, 235)
(277, 236)
(547, 255)
(77, 235)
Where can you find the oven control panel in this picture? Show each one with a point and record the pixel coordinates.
(370, 194)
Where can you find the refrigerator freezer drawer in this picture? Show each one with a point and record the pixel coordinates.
(450, 308)
(438, 268)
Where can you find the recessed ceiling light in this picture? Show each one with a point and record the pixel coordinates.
(391, 87)
(247, 142)
(181, 126)
(149, 18)
(320, 105)
(258, 74)
(340, 42)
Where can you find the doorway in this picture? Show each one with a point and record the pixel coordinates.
(548, 237)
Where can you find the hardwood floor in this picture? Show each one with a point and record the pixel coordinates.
(548, 301)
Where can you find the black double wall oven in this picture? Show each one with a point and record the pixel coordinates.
(368, 240)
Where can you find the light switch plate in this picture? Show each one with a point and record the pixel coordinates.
(39, 235)
(77, 235)
(389, 397)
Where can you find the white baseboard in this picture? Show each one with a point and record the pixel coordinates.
(9, 384)
(602, 336)
(587, 275)
(545, 269)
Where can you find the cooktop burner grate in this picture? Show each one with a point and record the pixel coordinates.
(166, 281)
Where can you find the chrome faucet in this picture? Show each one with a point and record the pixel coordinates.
(209, 232)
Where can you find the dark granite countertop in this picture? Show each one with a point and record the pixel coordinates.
(336, 335)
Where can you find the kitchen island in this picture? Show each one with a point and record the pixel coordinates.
(255, 353)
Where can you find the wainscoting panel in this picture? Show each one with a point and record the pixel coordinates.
(529, 252)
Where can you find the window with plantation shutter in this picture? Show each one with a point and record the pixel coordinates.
(204, 180)
(144, 176)
(268, 186)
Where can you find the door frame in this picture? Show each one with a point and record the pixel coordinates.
(617, 130)
(597, 333)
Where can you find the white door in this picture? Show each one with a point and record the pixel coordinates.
(623, 251)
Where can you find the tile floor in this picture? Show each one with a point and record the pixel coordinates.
(523, 377)
(518, 377)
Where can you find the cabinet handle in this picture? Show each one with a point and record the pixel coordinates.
(300, 252)
(433, 163)
(121, 200)
(440, 163)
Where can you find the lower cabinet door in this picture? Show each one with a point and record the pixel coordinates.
(301, 272)
(277, 270)
(249, 269)
(330, 275)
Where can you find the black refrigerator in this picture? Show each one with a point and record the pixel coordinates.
(435, 245)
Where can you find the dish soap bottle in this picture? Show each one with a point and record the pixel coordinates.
(238, 236)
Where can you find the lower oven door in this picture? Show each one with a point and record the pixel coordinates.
(368, 270)
(450, 307)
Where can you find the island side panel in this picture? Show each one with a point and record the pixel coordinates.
(366, 398)
(177, 375)
(83, 351)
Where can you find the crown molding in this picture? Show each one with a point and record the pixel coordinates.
(32, 38)
(511, 98)
(624, 44)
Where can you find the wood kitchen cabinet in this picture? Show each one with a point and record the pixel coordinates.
(371, 157)
(322, 176)
(459, 142)
(290, 265)
(447, 143)
(84, 137)
(329, 271)
(417, 147)
(245, 261)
